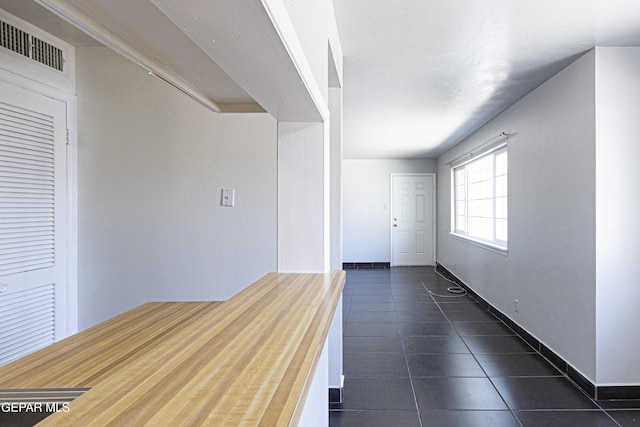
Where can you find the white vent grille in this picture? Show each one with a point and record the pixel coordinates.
(25, 44)
(46, 53)
(27, 319)
(14, 39)
(26, 190)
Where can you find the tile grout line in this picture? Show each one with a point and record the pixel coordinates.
(404, 353)
(511, 410)
(413, 389)
(406, 360)
(387, 285)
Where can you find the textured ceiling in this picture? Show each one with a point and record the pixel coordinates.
(421, 75)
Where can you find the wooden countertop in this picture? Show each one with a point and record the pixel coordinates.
(85, 359)
(249, 361)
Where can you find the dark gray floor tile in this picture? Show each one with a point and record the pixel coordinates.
(373, 272)
(428, 276)
(370, 278)
(482, 328)
(425, 329)
(626, 417)
(434, 344)
(358, 299)
(369, 281)
(413, 282)
(457, 393)
(442, 289)
(367, 287)
(371, 316)
(471, 316)
(371, 329)
(421, 316)
(377, 418)
(565, 418)
(372, 306)
(408, 288)
(375, 365)
(430, 273)
(373, 344)
(370, 292)
(432, 277)
(408, 291)
(396, 285)
(416, 306)
(542, 393)
(466, 305)
(377, 393)
(442, 296)
(516, 365)
(405, 282)
(408, 271)
(412, 298)
(364, 291)
(468, 419)
(497, 344)
(444, 365)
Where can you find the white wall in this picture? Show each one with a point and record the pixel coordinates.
(335, 107)
(302, 234)
(311, 20)
(366, 205)
(617, 213)
(304, 160)
(550, 266)
(152, 163)
(308, 173)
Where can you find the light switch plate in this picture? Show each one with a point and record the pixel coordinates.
(228, 197)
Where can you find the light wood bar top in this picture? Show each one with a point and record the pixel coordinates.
(249, 362)
(85, 359)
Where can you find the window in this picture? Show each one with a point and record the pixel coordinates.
(480, 199)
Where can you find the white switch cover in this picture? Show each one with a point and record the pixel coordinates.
(228, 197)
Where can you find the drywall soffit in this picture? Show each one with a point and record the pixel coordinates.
(229, 56)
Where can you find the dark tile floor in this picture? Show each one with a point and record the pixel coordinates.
(412, 359)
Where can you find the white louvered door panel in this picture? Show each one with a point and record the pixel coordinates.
(28, 321)
(32, 221)
(26, 190)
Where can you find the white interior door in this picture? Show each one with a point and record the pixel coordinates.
(33, 247)
(412, 220)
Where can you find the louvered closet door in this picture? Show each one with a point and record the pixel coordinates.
(32, 221)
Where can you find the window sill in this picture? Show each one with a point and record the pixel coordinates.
(502, 250)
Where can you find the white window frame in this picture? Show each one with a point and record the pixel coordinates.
(460, 201)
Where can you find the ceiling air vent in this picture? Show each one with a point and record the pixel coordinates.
(14, 39)
(46, 53)
(25, 44)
